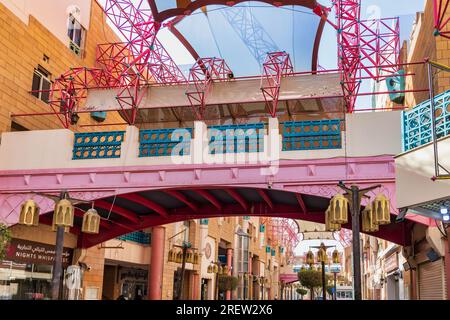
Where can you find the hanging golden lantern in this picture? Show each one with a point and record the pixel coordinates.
(338, 209)
(215, 268)
(332, 227)
(91, 222)
(367, 220)
(29, 213)
(336, 257)
(209, 269)
(310, 257)
(63, 215)
(172, 255)
(322, 255)
(66, 229)
(381, 210)
(179, 257)
(196, 258)
(220, 270)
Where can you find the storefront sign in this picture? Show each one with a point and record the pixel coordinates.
(23, 251)
(391, 263)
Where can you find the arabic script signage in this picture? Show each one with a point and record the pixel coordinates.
(23, 251)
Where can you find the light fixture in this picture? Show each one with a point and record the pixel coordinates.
(310, 258)
(368, 220)
(329, 226)
(444, 210)
(64, 212)
(172, 255)
(179, 257)
(91, 222)
(29, 213)
(381, 210)
(446, 218)
(339, 209)
(336, 257)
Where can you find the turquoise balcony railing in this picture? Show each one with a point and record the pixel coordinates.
(138, 237)
(165, 142)
(312, 135)
(236, 138)
(98, 145)
(417, 125)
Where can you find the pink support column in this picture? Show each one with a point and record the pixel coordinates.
(229, 261)
(156, 264)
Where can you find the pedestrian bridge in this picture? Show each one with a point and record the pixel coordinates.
(137, 181)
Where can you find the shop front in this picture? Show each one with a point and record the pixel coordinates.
(26, 271)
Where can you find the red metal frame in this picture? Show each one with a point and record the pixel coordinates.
(440, 20)
(201, 76)
(276, 66)
(380, 47)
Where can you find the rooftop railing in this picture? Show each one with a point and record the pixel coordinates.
(417, 125)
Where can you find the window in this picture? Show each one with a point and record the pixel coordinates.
(76, 34)
(41, 84)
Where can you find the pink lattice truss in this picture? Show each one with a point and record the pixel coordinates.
(201, 76)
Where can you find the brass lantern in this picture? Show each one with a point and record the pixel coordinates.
(215, 268)
(91, 222)
(179, 257)
(63, 215)
(381, 210)
(29, 213)
(220, 270)
(322, 255)
(171, 257)
(367, 220)
(310, 257)
(332, 227)
(339, 209)
(225, 269)
(66, 229)
(196, 258)
(336, 257)
(210, 269)
(189, 257)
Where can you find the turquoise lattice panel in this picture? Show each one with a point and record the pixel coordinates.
(236, 138)
(98, 145)
(417, 127)
(312, 135)
(164, 142)
(138, 237)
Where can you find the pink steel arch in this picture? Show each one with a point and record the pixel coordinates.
(301, 177)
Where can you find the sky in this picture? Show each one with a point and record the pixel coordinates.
(371, 9)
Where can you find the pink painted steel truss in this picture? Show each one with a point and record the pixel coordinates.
(276, 66)
(128, 66)
(201, 76)
(441, 18)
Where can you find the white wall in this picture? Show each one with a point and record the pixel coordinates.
(52, 14)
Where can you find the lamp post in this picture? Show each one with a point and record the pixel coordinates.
(355, 195)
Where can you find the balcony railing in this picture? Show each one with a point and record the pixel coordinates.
(98, 145)
(417, 125)
(312, 135)
(162, 142)
(236, 138)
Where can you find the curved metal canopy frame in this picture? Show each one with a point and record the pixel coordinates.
(186, 7)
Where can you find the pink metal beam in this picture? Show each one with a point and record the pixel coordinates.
(146, 203)
(266, 198)
(301, 202)
(441, 18)
(276, 66)
(237, 197)
(205, 194)
(131, 216)
(181, 197)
